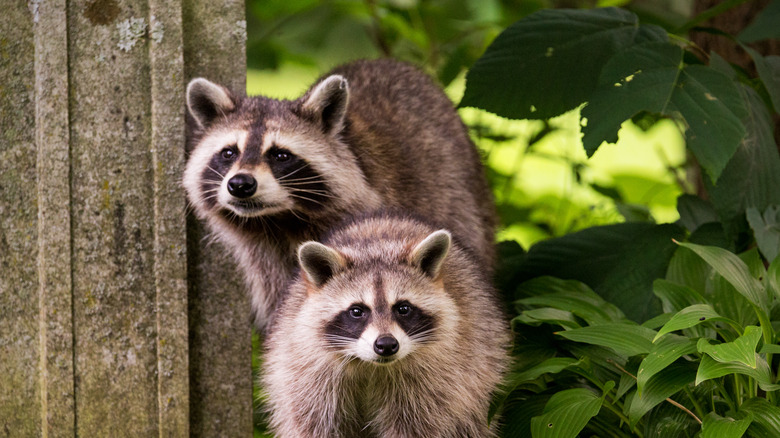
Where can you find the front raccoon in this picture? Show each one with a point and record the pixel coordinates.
(390, 330)
(269, 174)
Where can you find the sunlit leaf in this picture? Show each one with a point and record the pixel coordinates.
(566, 414)
(550, 61)
(652, 77)
(715, 426)
(709, 368)
(691, 316)
(626, 339)
(742, 349)
(667, 350)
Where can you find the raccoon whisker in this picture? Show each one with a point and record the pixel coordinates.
(306, 199)
(212, 190)
(305, 178)
(215, 171)
(300, 182)
(293, 172)
(298, 217)
(314, 192)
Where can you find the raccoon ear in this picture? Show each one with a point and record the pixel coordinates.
(319, 262)
(429, 254)
(328, 100)
(206, 101)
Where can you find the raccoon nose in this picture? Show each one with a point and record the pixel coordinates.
(242, 185)
(386, 345)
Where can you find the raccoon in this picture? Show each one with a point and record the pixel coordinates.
(389, 330)
(267, 175)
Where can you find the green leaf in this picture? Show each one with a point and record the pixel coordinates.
(566, 414)
(766, 229)
(667, 350)
(516, 378)
(764, 26)
(695, 211)
(742, 349)
(580, 301)
(658, 388)
(675, 297)
(734, 270)
(766, 418)
(758, 157)
(618, 261)
(769, 71)
(709, 368)
(688, 269)
(715, 426)
(773, 277)
(769, 349)
(652, 77)
(626, 339)
(691, 316)
(549, 62)
(547, 315)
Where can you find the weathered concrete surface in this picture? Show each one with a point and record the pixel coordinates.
(94, 326)
(20, 401)
(220, 336)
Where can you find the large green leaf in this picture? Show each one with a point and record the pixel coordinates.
(549, 62)
(660, 387)
(547, 315)
(566, 414)
(773, 277)
(734, 270)
(764, 26)
(769, 71)
(516, 378)
(758, 158)
(570, 296)
(667, 350)
(652, 77)
(766, 418)
(688, 269)
(766, 229)
(626, 339)
(715, 426)
(675, 297)
(691, 316)
(742, 349)
(618, 261)
(695, 211)
(709, 368)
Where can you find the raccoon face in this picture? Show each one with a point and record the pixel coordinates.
(384, 313)
(251, 159)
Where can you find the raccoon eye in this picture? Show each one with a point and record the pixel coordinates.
(403, 309)
(356, 312)
(282, 156)
(228, 153)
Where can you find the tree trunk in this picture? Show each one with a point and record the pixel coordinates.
(115, 318)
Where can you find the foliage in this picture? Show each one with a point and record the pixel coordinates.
(631, 321)
(631, 329)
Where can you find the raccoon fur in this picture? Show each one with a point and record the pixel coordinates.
(267, 175)
(390, 330)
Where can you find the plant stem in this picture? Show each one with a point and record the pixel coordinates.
(669, 400)
(695, 402)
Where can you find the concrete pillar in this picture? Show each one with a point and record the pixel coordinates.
(116, 317)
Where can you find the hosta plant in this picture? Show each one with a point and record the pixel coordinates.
(706, 365)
